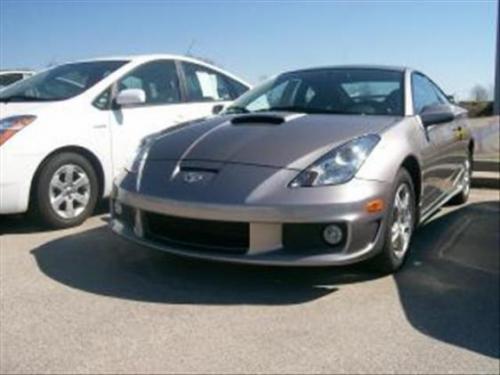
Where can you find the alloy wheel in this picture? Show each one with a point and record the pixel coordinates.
(402, 224)
(69, 191)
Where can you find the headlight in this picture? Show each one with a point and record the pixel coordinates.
(135, 162)
(11, 125)
(339, 165)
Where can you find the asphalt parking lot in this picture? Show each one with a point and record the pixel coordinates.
(81, 300)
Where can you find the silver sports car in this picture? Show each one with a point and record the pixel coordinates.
(326, 166)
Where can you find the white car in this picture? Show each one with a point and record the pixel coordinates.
(66, 132)
(8, 77)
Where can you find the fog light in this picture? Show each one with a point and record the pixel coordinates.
(117, 207)
(332, 234)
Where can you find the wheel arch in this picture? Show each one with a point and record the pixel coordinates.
(82, 151)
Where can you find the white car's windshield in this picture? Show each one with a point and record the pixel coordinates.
(60, 83)
(332, 91)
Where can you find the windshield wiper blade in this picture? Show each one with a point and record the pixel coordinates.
(303, 110)
(236, 109)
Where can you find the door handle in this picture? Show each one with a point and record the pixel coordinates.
(100, 126)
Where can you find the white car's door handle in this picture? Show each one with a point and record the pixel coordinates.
(100, 126)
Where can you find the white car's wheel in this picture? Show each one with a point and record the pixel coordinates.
(66, 191)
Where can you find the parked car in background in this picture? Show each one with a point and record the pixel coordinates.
(8, 77)
(325, 166)
(66, 132)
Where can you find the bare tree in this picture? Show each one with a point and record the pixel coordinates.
(479, 93)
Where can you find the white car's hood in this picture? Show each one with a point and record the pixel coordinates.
(24, 108)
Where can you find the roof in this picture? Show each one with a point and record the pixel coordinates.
(145, 58)
(357, 66)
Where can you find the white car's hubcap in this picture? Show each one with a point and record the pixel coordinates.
(69, 191)
(402, 225)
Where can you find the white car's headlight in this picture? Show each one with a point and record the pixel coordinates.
(9, 126)
(140, 154)
(339, 165)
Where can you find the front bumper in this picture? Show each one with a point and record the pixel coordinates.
(269, 227)
(16, 173)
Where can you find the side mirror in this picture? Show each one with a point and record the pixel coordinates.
(216, 109)
(130, 97)
(451, 99)
(435, 115)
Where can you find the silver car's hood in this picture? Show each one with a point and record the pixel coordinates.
(295, 143)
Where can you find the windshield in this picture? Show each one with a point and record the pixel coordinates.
(60, 83)
(331, 91)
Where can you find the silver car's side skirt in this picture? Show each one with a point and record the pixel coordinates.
(442, 200)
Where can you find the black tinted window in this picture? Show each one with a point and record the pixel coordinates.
(62, 82)
(203, 84)
(346, 91)
(158, 79)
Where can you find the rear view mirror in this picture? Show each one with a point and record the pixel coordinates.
(451, 98)
(435, 115)
(129, 97)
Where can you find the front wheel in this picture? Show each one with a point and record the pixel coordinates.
(400, 225)
(66, 191)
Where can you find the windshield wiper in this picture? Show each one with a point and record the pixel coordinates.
(236, 109)
(24, 98)
(303, 110)
(284, 109)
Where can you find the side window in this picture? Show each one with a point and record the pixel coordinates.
(205, 85)
(442, 97)
(158, 79)
(424, 93)
(237, 89)
(103, 100)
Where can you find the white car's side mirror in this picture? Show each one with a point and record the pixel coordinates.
(130, 97)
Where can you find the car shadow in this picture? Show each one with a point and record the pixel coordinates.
(449, 289)
(86, 261)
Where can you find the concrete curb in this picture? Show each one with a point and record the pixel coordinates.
(486, 174)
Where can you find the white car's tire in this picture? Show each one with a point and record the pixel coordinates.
(66, 190)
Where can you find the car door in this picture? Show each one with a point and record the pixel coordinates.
(457, 130)
(163, 107)
(438, 150)
(207, 89)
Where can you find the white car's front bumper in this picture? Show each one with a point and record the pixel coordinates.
(16, 175)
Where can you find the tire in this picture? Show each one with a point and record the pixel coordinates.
(66, 191)
(463, 196)
(393, 256)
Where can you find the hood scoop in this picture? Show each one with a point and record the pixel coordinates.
(258, 120)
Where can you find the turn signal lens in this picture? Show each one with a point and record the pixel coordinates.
(373, 206)
(11, 125)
